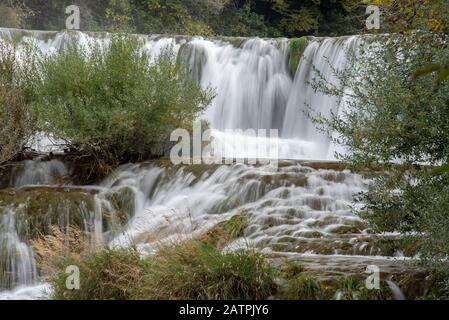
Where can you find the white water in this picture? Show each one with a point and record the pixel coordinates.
(294, 210)
(17, 266)
(253, 86)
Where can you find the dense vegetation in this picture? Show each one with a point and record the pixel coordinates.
(112, 105)
(263, 18)
(397, 119)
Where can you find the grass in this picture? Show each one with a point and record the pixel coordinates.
(191, 270)
(195, 270)
(188, 270)
(299, 285)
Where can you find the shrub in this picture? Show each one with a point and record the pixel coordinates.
(112, 105)
(17, 78)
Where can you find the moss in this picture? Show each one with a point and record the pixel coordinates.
(41, 207)
(224, 232)
(297, 46)
(345, 230)
(198, 170)
(123, 202)
(334, 176)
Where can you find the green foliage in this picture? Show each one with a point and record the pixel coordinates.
(245, 22)
(111, 105)
(17, 81)
(302, 287)
(296, 50)
(106, 275)
(390, 115)
(316, 17)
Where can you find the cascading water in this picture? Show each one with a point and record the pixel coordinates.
(17, 266)
(253, 85)
(297, 209)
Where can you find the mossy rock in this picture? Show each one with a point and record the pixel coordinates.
(334, 176)
(123, 203)
(345, 230)
(38, 208)
(224, 232)
(297, 46)
(409, 247)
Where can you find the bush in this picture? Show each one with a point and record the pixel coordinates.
(112, 105)
(17, 79)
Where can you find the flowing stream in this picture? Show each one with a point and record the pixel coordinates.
(300, 210)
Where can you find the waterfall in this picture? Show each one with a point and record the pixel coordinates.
(298, 209)
(253, 85)
(17, 266)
